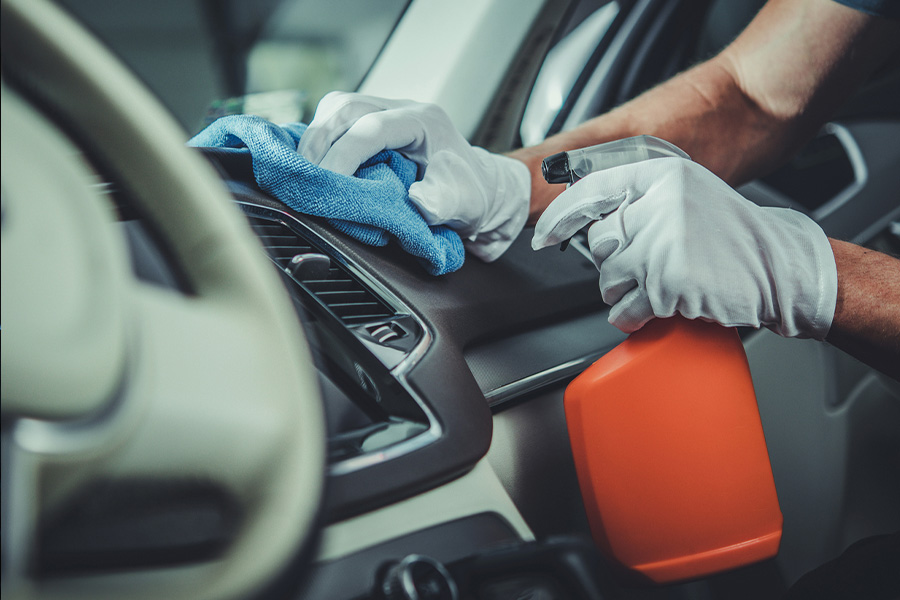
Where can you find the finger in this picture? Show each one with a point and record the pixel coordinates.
(632, 311)
(605, 237)
(619, 272)
(573, 209)
(336, 113)
(369, 135)
(426, 198)
(445, 195)
(613, 290)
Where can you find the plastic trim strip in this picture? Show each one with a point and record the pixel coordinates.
(538, 381)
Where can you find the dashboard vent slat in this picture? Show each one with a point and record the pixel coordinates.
(340, 292)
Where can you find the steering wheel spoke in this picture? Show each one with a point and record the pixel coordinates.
(155, 444)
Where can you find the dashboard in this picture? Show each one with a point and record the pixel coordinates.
(413, 370)
(446, 350)
(480, 358)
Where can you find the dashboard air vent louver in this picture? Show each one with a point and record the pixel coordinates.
(337, 288)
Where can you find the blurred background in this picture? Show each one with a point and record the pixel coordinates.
(277, 58)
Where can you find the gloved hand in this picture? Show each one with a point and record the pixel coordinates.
(483, 196)
(677, 239)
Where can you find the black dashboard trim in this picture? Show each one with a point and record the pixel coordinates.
(477, 305)
(440, 378)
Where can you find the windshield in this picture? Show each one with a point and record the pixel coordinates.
(277, 58)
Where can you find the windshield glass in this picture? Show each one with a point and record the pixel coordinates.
(277, 58)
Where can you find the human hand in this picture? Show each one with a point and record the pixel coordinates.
(674, 238)
(483, 196)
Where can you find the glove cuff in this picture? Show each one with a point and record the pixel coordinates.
(807, 287)
(820, 320)
(507, 210)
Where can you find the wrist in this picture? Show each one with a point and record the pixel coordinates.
(867, 313)
(797, 273)
(541, 193)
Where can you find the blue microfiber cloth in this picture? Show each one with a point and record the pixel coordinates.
(373, 206)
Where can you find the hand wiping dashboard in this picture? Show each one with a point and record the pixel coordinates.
(373, 206)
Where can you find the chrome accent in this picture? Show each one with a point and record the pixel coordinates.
(383, 334)
(399, 372)
(543, 379)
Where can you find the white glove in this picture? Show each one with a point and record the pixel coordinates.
(677, 239)
(483, 196)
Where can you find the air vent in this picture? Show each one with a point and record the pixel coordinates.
(335, 286)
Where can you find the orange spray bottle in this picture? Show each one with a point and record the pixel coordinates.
(666, 435)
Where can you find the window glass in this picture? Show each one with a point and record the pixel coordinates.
(562, 66)
(204, 58)
(316, 47)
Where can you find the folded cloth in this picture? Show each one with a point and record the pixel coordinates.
(373, 206)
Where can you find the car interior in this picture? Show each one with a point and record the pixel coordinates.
(207, 394)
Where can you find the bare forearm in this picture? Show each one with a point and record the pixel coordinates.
(745, 111)
(702, 111)
(867, 316)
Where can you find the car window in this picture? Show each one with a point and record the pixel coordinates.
(277, 58)
(564, 63)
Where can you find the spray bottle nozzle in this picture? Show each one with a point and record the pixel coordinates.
(569, 167)
(555, 168)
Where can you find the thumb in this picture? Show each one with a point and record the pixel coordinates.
(575, 208)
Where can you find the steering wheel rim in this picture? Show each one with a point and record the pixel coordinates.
(240, 317)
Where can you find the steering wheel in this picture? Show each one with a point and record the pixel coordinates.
(108, 380)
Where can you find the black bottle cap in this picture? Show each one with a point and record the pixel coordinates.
(555, 168)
